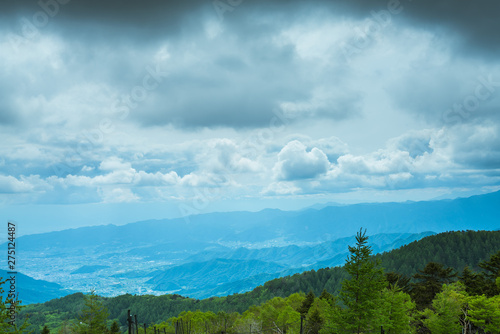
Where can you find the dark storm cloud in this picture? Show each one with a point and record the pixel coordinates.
(211, 96)
(475, 21)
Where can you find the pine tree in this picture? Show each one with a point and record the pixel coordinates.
(361, 293)
(306, 304)
(115, 328)
(429, 282)
(492, 272)
(94, 316)
(474, 283)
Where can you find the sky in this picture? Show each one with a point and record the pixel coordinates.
(118, 111)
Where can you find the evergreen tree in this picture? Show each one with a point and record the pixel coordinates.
(429, 283)
(115, 328)
(361, 293)
(492, 272)
(307, 303)
(398, 280)
(45, 330)
(474, 283)
(314, 322)
(328, 297)
(94, 316)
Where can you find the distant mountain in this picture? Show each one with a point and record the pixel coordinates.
(224, 272)
(280, 227)
(30, 290)
(197, 276)
(131, 258)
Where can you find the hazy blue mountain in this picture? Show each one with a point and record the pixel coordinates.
(160, 254)
(292, 227)
(287, 227)
(32, 291)
(197, 276)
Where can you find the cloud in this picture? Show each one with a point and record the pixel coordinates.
(114, 164)
(9, 185)
(117, 195)
(295, 162)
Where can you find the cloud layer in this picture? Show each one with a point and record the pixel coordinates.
(128, 101)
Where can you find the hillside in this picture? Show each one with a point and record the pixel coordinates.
(35, 291)
(453, 249)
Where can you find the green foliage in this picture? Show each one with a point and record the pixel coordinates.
(485, 313)
(491, 272)
(307, 303)
(429, 283)
(115, 328)
(45, 330)
(453, 249)
(396, 311)
(360, 293)
(9, 314)
(93, 317)
(449, 310)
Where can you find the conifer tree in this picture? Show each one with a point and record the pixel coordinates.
(307, 303)
(492, 272)
(94, 316)
(115, 328)
(429, 282)
(361, 293)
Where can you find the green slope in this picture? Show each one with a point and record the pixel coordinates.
(453, 249)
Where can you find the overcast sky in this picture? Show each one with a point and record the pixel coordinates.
(115, 111)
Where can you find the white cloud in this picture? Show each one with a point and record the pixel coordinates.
(114, 164)
(281, 188)
(295, 162)
(117, 195)
(9, 184)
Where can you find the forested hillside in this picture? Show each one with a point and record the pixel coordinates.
(450, 249)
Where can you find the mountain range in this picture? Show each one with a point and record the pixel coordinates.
(222, 253)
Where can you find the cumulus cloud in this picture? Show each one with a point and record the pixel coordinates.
(9, 184)
(295, 162)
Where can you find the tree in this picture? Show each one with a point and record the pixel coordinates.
(492, 272)
(429, 283)
(485, 313)
(396, 311)
(474, 283)
(398, 280)
(307, 303)
(94, 316)
(45, 330)
(115, 328)
(8, 311)
(449, 313)
(361, 293)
